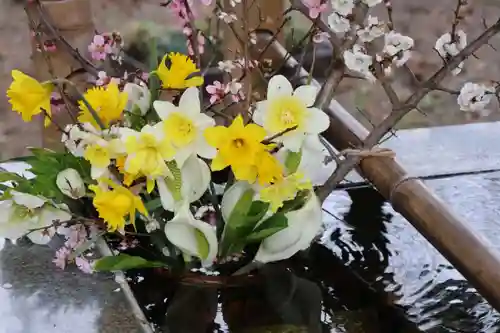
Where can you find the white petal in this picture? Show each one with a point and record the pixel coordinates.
(259, 112)
(164, 109)
(182, 154)
(133, 92)
(41, 237)
(195, 179)
(97, 173)
(189, 102)
(279, 86)
(231, 197)
(317, 121)
(27, 200)
(306, 94)
(303, 225)
(203, 149)
(312, 163)
(202, 121)
(166, 198)
(180, 231)
(50, 214)
(293, 141)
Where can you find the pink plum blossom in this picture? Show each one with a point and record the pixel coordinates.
(217, 91)
(61, 257)
(315, 7)
(99, 48)
(84, 265)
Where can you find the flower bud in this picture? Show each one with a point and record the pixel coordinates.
(70, 183)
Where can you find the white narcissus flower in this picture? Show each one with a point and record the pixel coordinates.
(343, 7)
(286, 108)
(193, 237)
(315, 164)
(70, 183)
(226, 66)
(357, 60)
(398, 46)
(373, 29)
(371, 3)
(194, 182)
(338, 23)
(139, 98)
(25, 212)
(303, 225)
(184, 126)
(475, 97)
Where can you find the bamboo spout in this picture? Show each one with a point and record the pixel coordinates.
(470, 253)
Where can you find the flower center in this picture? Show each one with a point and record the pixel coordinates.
(285, 112)
(238, 143)
(180, 129)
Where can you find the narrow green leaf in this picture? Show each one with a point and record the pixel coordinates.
(153, 54)
(10, 176)
(292, 161)
(202, 243)
(241, 209)
(152, 205)
(122, 262)
(257, 211)
(269, 227)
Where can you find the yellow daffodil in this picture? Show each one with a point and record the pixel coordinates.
(147, 152)
(128, 178)
(184, 126)
(181, 74)
(237, 146)
(284, 190)
(114, 204)
(107, 102)
(28, 96)
(286, 108)
(99, 154)
(269, 169)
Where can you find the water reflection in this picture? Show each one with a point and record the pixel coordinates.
(37, 297)
(370, 272)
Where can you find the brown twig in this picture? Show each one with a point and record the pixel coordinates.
(411, 103)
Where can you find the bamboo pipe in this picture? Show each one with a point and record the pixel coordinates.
(471, 254)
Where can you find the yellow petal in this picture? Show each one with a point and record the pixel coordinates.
(218, 163)
(216, 135)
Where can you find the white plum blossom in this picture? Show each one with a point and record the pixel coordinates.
(343, 7)
(234, 2)
(475, 97)
(286, 108)
(356, 60)
(226, 66)
(446, 48)
(371, 3)
(338, 23)
(373, 29)
(398, 46)
(227, 18)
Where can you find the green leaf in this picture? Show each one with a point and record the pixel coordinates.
(296, 203)
(292, 161)
(256, 212)
(10, 176)
(241, 209)
(269, 227)
(152, 205)
(123, 262)
(203, 246)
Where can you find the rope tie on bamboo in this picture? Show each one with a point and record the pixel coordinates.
(398, 184)
(374, 152)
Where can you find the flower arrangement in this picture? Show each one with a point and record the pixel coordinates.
(144, 171)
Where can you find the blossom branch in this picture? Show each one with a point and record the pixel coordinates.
(399, 112)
